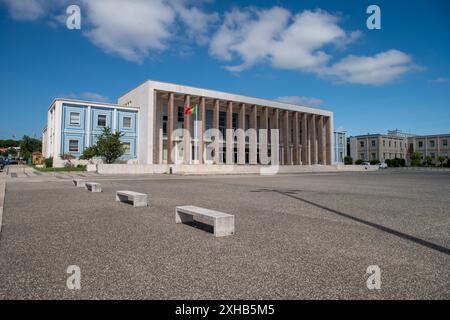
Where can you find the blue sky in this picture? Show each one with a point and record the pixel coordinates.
(318, 53)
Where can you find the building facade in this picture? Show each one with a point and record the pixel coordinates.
(433, 146)
(73, 126)
(339, 146)
(378, 147)
(225, 129)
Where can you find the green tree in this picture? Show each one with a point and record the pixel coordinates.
(415, 159)
(12, 152)
(441, 160)
(30, 144)
(9, 143)
(429, 160)
(109, 146)
(89, 153)
(348, 160)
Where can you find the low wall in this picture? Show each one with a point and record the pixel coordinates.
(223, 169)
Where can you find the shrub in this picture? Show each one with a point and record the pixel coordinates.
(415, 159)
(374, 162)
(48, 162)
(359, 162)
(89, 153)
(348, 160)
(388, 162)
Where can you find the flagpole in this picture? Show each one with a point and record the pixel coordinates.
(196, 133)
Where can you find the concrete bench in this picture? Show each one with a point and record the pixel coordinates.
(138, 199)
(79, 183)
(223, 223)
(93, 186)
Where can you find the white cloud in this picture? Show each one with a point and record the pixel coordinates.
(275, 35)
(248, 34)
(92, 96)
(246, 37)
(25, 9)
(134, 29)
(382, 68)
(301, 100)
(439, 80)
(301, 42)
(197, 23)
(130, 30)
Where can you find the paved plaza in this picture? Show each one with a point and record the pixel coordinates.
(304, 236)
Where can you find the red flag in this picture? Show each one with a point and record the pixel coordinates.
(187, 110)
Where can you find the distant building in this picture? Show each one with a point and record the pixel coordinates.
(434, 146)
(400, 133)
(339, 145)
(378, 147)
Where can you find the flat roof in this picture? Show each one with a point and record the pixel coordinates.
(92, 103)
(225, 96)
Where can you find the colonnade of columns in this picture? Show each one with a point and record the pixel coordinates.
(304, 138)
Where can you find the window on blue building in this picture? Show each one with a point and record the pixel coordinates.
(74, 118)
(101, 120)
(126, 122)
(74, 146)
(126, 148)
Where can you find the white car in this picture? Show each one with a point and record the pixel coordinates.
(383, 165)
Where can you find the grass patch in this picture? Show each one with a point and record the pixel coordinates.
(68, 169)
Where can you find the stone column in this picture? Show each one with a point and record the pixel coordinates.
(286, 142)
(229, 134)
(216, 132)
(320, 140)
(200, 129)
(156, 126)
(187, 133)
(241, 135)
(170, 123)
(253, 139)
(295, 155)
(264, 136)
(275, 152)
(305, 143)
(328, 144)
(313, 138)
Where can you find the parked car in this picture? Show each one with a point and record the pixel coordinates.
(383, 165)
(366, 163)
(13, 161)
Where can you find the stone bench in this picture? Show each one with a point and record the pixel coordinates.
(93, 186)
(79, 183)
(223, 223)
(138, 199)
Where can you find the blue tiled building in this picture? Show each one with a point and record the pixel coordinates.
(339, 145)
(74, 125)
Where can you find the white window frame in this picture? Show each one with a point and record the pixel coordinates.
(70, 118)
(78, 145)
(129, 152)
(123, 122)
(106, 120)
